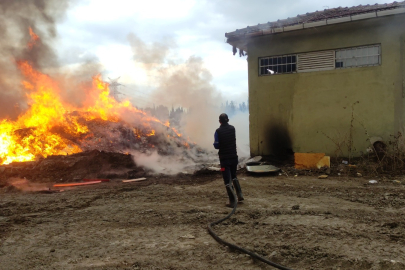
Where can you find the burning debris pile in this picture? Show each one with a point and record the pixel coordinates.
(122, 137)
(54, 140)
(51, 127)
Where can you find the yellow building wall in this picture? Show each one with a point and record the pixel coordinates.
(313, 111)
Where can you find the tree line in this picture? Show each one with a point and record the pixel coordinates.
(174, 115)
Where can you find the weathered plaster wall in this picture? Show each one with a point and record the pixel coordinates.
(315, 108)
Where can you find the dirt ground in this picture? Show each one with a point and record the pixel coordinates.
(299, 222)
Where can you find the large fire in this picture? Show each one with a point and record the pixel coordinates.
(53, 127)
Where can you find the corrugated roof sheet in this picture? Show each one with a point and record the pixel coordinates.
(317, 16)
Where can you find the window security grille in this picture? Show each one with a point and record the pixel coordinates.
(278, 64)
(314, 61)
(321, 60)
(358, 56)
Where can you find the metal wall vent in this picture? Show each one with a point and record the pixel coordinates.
(315, 61)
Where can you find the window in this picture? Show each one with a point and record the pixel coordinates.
(278, 64)
(358, 57)
(321, 60)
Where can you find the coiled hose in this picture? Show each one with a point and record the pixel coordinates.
(223, 242)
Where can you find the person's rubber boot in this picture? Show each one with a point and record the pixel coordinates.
(238, 189)
(232, 200)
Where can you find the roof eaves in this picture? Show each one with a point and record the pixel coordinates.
(319, 18)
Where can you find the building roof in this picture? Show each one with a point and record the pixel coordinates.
(319, 18)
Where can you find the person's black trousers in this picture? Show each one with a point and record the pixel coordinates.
(228, 169)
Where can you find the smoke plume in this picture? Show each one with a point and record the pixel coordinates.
(26, 186)
(168, 165)
(188, 84)
(150, 55)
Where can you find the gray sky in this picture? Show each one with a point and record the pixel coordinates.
(98, 31)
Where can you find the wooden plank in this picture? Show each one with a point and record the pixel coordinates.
(134, 180)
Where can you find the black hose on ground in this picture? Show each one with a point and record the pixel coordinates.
(223, 242)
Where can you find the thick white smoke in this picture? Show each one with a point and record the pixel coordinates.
(168, 165)
(189, 85)
(240, 121)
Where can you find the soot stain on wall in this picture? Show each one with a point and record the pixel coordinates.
(279, 142)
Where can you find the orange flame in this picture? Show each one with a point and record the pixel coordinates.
(33, 134)
(177, 133)
(38, 131)
(33, 40)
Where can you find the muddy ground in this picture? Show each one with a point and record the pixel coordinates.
(300, 222)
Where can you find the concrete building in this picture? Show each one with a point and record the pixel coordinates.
(330, 81)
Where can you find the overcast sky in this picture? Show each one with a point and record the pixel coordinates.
(98, 30)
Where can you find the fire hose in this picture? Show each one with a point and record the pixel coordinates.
(223, 242)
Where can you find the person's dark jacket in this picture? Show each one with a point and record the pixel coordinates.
(225, 141)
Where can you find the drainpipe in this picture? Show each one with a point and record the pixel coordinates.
(403, 64)
(401, 127)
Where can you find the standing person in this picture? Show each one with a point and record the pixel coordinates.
(225, 141)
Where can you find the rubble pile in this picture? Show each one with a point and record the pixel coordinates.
(59, 169)
(119, 136)
(106, 153)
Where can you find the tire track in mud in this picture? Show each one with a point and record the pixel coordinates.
(323, 235)
(302, 223)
